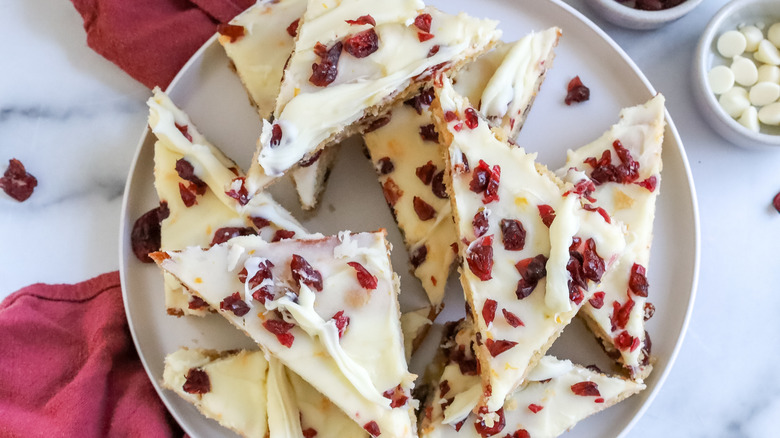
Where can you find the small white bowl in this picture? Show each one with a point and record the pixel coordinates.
(734, 14)
(631, 18)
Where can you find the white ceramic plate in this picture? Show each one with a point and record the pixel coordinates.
(213, 97)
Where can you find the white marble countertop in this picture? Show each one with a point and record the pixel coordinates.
(74, 120)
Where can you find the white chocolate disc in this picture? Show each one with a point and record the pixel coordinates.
(773, 34)
(721, 79)
(769, 73)
(745, 71)
(767, 53)
(735, 101)
(764, 93)
(753, 36)
(770, 114)
(749, 118)
(731, 44)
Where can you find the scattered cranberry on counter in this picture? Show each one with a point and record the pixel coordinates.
(16, 182)
(577, 92)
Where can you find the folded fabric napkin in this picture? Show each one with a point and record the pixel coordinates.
(152, 39)
(69, 367)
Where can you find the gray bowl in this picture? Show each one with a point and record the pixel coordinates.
(631, 18)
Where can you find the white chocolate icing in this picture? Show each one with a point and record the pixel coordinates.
(413, 323)
(372, 341)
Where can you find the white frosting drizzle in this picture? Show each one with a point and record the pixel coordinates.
(562, 230)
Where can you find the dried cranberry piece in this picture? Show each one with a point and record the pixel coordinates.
(604, 171)
(196, 303)
(624, 341)
(282, 234)
(238, 190)
(547, 214)
(309, 433)
(479, 179)
(480, 258)
(260, 222)
(519, 433)
(276, 135)
(231, 31)
(497, 427)
(196, 382)
(438, 187)
(423, 99)
(586, 389)
(423, 22)
(513, 234)
(280, 329)
(603, 213)
(391, 191)
(535, 408)
(235, 304)
(597, 300)
(303, 272)
(577, 92)
(397, 396)
(385, 165)
(472, 119)
(480, 223)
(418, 256)
(647, 349)
(650, 183)
(428, 133)
(450, 116)
(637, 282)
(423, 209)
(222, 235)
(534, 268)
(621, 314)
(185, 131)
(497, 347)
(460, 424)
(512, 319)
(306, 162)
(362, 43)
(292, 29)
(263, 273)
(263, 294)
(649, 310)
(364, 277)
(145, 236)
(187, 172)
(188, 195)
(485, 180)
(584, 188)
(489, 311)
(468, 366)
(592, 264)
(776, 202)
(325, 72)
(444, 388)
(425, 172)
(434, 50)
(372, 428)
(342, 321)
(423, 37)
(377, 123)
(363, 19)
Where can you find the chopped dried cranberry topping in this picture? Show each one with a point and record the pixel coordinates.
(342, 321)
(309, 433)
(222, 235)
(184, 129)
(600, 211)
(604, 171)
(497, 347)
(428, 133)
(260, 222)
(438, 187)
(303, 272)
(467, 366)
(480, 223)
(646, 349)
(263, 294)
(418, 256)
(145, 236)
(377, 123)
(364, 277)
(459, 424)
(306, 162)
(450, 116)
(362, 44)
(282, 234)
(512, 319)
(423, 99)
(532, 270)
(325, 72)
(485, 180)
(444, 388)
(188, 195)
(434, 50)
(423, 37)
(292, 29)
(520, 433)
(547, 214)
(276, 135)
(238, 191)
(637, 282)
(425, 172)
(586, 389)
(423, 209)
(397, 396)
(624, 341)
(577, 92)
(597, 300)
(235, 304)
(535, 408)
(650, 183)
(391, 191)
(423, 22)
(592, 264)
(187, 172)
(280, 329)
(621, 314)
(649, 310)
(480, 258)
(472, 119)
(513, 234)
(363, 19)
(584, 188)
(231, 31)
(385, 165)
(196, 382)
(489, 311)
(196, 303)
(263, 273)
(485, 430)
(372, 428)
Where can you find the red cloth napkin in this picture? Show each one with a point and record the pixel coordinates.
(152, 39)
(68, 367)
